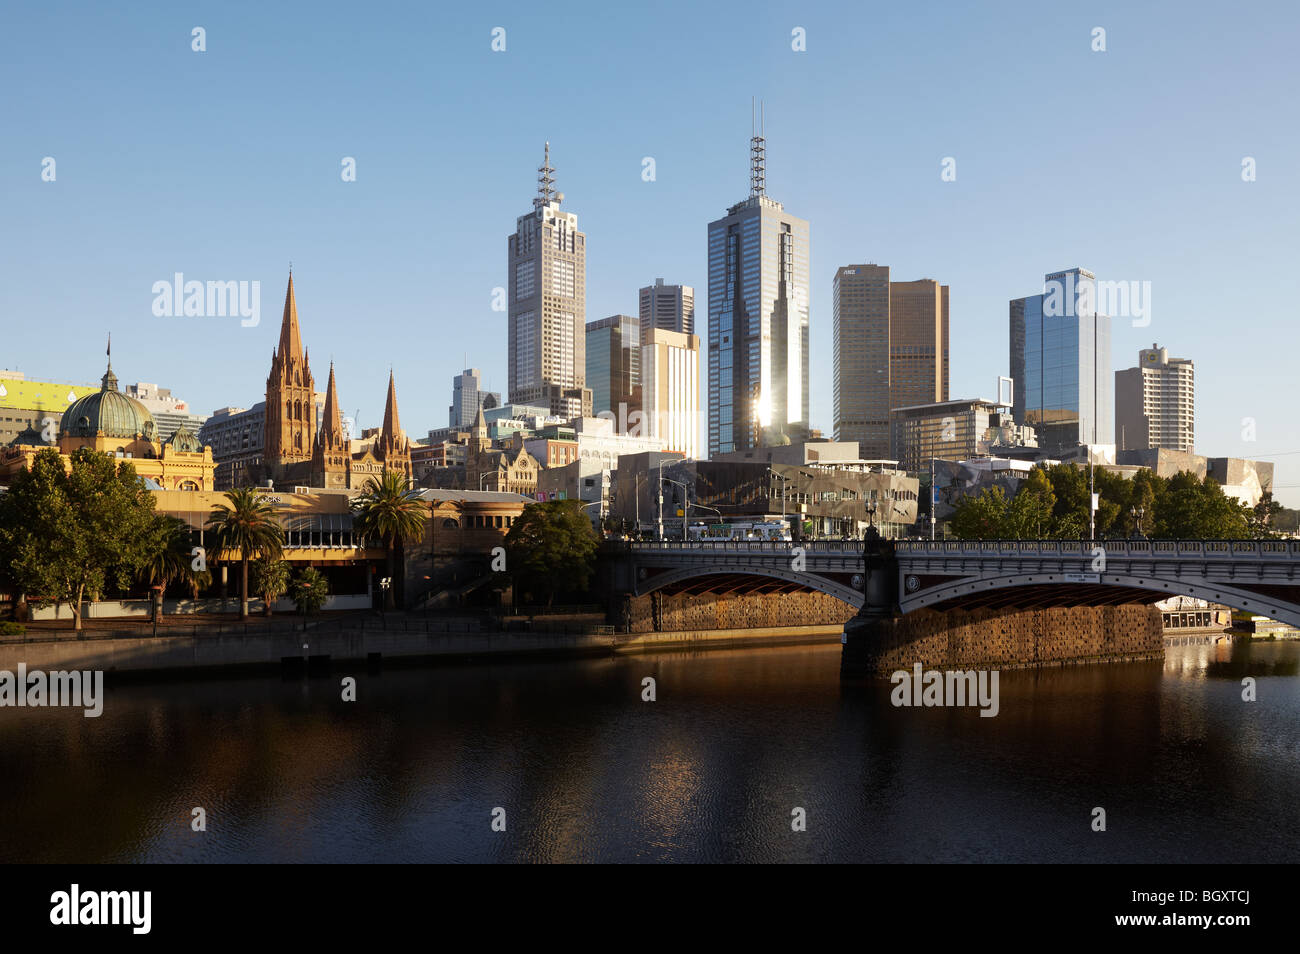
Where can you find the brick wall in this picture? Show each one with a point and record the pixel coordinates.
(661, 612)
(1005, 638)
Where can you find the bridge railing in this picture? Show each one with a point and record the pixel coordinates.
(1231, 549)
(750, 546)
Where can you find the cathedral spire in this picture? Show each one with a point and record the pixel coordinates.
(332, 425)
(392, 429)
(290, 342)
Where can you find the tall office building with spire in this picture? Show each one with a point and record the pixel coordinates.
(547, 263)
(759, 260)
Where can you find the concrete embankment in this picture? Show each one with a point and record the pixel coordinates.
(226, 650)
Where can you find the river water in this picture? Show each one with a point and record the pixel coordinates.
(712, 770)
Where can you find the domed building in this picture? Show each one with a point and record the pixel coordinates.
(111, 422)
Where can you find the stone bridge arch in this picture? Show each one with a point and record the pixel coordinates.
(1029, 589)
(807, 580)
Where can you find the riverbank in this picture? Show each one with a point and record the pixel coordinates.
(219, 650)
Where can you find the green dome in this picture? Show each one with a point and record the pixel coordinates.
(109, 411)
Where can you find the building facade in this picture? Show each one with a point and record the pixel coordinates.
(503, 470)
(670, 390)
(169, 413)
(1155, 403)
(467, 396)
(890, 350)
(1060, 364)
(110, 422)
(38, 405)
(614, 367)
(951, 430)
(547, 262)
(667, 308)
(759, 300)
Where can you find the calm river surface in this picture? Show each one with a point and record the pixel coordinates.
(710, 771)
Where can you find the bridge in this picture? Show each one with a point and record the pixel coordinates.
(1258, 576)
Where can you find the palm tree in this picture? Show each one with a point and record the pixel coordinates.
(270, 581)
(393, 512)
(250, 526)
(171, 556)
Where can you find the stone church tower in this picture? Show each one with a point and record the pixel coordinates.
(392, 448)
(290, 434)
(331, 457)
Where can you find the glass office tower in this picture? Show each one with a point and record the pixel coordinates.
(758, 321)
(1060, 362)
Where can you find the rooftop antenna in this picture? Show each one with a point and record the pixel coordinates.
(545, 181)
(757, 154)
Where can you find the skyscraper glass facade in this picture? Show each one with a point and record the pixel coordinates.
(1060, 362)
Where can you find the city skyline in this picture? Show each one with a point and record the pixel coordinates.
(360, 291)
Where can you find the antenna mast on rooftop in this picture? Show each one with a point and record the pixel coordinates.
(757, 153)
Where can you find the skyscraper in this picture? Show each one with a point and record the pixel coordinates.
(670, 307)
(758, 319)
(548, 288)
(891, 351)
(670, 376)
(1155, 403)
(467, 396)
(614, 367)
(1060, 363)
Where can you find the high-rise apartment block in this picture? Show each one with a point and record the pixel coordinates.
(667, 307)
(759, 300)
(670, 376)
(548, 289)
(1155, 403)
(1060, 363)
(890, 351)
(614, 367)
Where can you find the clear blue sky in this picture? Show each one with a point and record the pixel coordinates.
(225, 165)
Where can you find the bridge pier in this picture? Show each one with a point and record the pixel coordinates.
(1009, 638)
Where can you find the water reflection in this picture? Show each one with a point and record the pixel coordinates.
(710, 771)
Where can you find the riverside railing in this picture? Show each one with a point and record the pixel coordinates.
(1234, 549)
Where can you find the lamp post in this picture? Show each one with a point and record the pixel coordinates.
(1138, 513)
(483, 477)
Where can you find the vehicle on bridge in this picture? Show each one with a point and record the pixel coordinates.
(740, 530)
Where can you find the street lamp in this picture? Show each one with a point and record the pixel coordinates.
(1138, 513)
(483, 477)
(384, 584)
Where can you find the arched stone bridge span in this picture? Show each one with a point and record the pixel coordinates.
(1259, 576)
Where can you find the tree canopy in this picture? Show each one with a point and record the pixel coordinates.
(551, 549)
(72, 533)
(1052, 503)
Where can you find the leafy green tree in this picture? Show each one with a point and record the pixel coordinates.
(248, 526)
(1029, 514)
(309, 590)
(393, 512)
(270, 581)
(68, 534)
(1263, 517)
(1195, 508)
(551, 548)
(982, 517)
